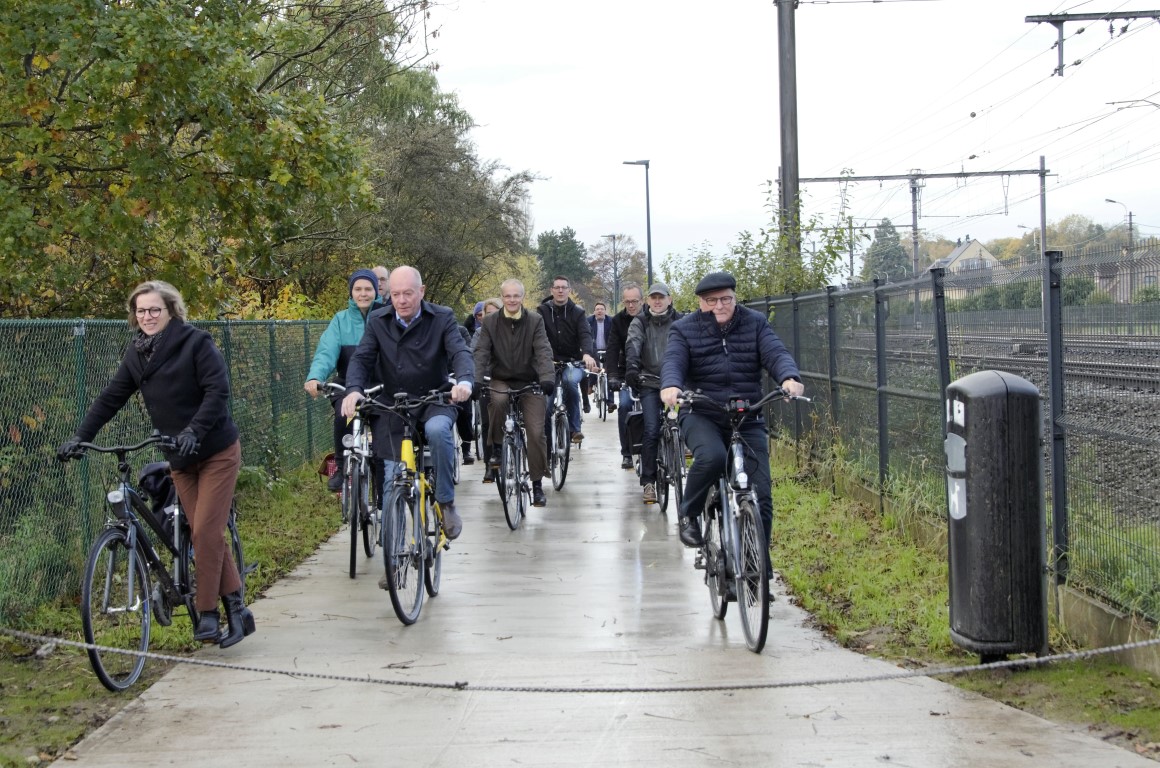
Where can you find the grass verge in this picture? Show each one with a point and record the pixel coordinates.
(875, 592)
(50, 698)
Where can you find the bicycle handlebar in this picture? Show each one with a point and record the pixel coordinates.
(737, 405)
(336, 391)
(165, 441)
(533, 388)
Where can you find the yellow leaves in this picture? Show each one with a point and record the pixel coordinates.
(36, 110)
(42, 62)
(138, 207)
(54, 251)
(279, 174)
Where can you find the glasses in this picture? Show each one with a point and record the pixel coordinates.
(516, 297)
(632, 302)
(712, 301)
(151, 311)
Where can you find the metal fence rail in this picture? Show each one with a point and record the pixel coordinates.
(877, 359)
(50, 371)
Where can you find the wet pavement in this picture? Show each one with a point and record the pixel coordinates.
(593, 590)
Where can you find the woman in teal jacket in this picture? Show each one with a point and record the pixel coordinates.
(338, 343)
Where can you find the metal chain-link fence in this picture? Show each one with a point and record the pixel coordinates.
(50, 371)
(876, 359)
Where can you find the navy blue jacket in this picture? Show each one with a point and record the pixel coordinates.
(725, 362)
(415, 360)
(592, 329)
(184, 384)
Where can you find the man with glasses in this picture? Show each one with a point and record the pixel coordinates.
(571, 340)
(721, 351)
(615, 362)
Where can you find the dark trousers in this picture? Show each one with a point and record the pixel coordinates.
(650, 401)
(205, 490)
(341, 427)
(463, 424)
(533, 408)
(624, 405)
(708, 438)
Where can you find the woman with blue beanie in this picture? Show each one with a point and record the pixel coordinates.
(335, 348)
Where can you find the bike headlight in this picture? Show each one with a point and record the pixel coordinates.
(348, 441)
(115, 496)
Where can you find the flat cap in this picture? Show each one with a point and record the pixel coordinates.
(660, 288)
(715, 281)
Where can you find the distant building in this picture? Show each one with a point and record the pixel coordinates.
(969, 260)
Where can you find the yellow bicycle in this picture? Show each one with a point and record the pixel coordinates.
(412, 532)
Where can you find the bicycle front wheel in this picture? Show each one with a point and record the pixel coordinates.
(350, 489)
(433, 566)
(115, 613)
(752, 582)
(368, 515)
(236, 546)
(402, 555)
(509, 481)
(561, 449)
(664, 471)
(602, 396)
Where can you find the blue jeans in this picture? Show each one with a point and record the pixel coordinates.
(650, 401)
(624, 403)
(572, 376)
(708, 438)
(440, 434)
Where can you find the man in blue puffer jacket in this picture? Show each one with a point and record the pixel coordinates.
(335, 348)
(721, 351)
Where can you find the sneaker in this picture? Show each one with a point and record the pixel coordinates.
(691, 532)
(334, 484)
(611, 407)
(467, 457)
(577, 437)
(452, 522)
(490, 473)
(538, 497)
(626, 462)
(650, 493)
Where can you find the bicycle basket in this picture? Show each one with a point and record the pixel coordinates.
(328, 466)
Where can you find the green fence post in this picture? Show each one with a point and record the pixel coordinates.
(309, 407)
(79, 332)
(272, 453)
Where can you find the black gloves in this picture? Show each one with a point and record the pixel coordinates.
(70, 449)
(632, 379)
(187, 443)
(614, 385)
(548, 386)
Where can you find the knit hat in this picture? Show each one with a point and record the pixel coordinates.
(363, 274)
(478, 308)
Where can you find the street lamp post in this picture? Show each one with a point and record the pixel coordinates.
(647, 219)
(615, 274)
(1034, 239)
(1129, 215)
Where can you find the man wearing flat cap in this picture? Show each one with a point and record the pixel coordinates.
(721, 351)
(644, 351)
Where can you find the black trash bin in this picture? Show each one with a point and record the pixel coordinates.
(997, 531)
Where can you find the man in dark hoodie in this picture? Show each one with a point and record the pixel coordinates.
(571, 339)
(614, 362)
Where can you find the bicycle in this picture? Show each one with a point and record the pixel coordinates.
(359, 506)
(671, 467)
(118, 602)
(559, 435)
(477, 426)
(735, 555)
(412, 533)
(600, 388)
(514, 480)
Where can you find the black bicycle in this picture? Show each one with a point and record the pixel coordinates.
(360, 506)
(735, 555)
(129, 580)
(671, 467)
(514, 481)
(559, 436)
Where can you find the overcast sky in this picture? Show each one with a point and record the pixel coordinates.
(570, 90)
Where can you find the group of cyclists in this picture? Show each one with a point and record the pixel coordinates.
(390, 334)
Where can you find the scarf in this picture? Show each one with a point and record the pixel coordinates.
(146, 345)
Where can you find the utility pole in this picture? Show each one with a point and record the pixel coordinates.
(788, 200)
(1059, 19)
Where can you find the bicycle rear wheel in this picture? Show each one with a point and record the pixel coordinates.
(716, 578)
(402, 555)
(509, 482)
(664, 471)
(477, 427)
(115, 611)
(561, 449)
(433, 567)
(346, 497)
(602, 395)
(236, 546)
(751, 580)
(369, 516)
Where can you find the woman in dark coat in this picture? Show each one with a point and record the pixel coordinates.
(183, 380)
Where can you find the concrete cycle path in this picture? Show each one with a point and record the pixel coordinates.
(593, 590)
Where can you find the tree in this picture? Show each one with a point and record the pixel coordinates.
(886, 257)
(560, 253)
(613, 268)
(138, 142)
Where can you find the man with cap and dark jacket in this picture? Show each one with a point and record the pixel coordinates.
(335, 348)
(614, 362)
(648, 336)
(721, 351)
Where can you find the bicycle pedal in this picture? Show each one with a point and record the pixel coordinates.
(699, 560)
